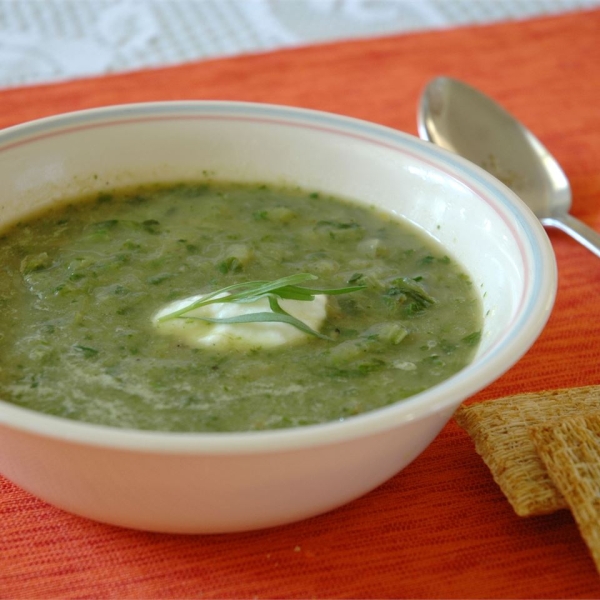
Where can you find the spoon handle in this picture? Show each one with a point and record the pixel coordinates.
(577, 229)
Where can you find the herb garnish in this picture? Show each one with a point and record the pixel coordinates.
(251, 291)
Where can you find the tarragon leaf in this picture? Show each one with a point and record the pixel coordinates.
(286, 288)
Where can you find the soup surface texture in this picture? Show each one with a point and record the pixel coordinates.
(81, 284)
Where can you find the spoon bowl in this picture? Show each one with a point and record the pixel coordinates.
(459, 118)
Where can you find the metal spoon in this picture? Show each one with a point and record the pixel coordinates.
(459, 118)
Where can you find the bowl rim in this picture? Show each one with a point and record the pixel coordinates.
(442, 398)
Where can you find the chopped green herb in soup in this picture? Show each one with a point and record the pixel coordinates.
(225, 307)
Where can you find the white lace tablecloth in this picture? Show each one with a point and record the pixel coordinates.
(50, 40)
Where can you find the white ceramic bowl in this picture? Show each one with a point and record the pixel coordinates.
(203, 483)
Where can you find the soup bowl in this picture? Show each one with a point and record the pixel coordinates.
(222, 482)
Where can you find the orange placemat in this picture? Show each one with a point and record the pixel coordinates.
(440, 528)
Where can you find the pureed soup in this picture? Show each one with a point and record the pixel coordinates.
(90, 292)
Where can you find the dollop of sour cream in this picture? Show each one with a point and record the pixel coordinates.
(202, 334)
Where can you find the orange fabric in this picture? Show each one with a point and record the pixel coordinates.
(440, 528)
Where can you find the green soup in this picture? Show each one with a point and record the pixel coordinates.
(79, 286)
